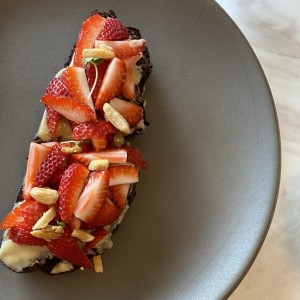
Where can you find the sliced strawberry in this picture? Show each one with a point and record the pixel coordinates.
(135, 157)
(72, 109)
(57, 175)
(55, 88)
(90, 30)
(123, 174)
(67, 248)
(93, 196)
(75, 80)
(71, 185)
(93, 129)
(22, 236)
(113, 30)
(37, 154)
(91, 76)
(118, 194)
(131, 112)
(100, 235)
(75, 223)
(20, 233)
(108, 214)
(15, 217)
(99, 142)
(126, 48)
(53, 118)
(128, 90)
(112, 155)
(49, 165)
(112, 82)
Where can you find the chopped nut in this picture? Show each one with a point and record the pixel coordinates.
(98, 165)
(82, 235)
(98, 264)
(116, 118)
(103, 51)
(44, 195)
(45, 219)
(71, 150)
(48, 233)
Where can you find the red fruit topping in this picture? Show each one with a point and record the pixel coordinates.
(99, 143)
(123, 174)
(100, 235)
(71, 185)
(90, 30)
(67, 248)
(126, 48)
(112, 155)
(128, 90)
(91, 76)
(113, 30)
(108, 214)
(93, 196)
(134, 156)
(50, 165)
(56, 87)
(37, 155)
(57, 175)
(53, 118)
(93, 129)
(72, 109)
(20, 233)
(15, 217)
(131, 112)
(22, 236)
(112, 82)
(75, 80)
(118, 194)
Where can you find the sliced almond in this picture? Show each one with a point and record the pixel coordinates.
(44, 195)
(98, 165)
(48, 233)
(45, 219)
(82, 235)
(71, 150)
(103, 51)
(115, 118)
(98, 264)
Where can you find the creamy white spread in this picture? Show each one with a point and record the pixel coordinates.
(18, 257)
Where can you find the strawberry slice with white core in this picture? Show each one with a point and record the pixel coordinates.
(117, 156)
(108, 214)
(90, 30)
(37, 155)
(93, 196)
(112, 82)
(72, 109)
(118, 194)
(75, 80)
(123, 174)
(70, 188)
(132, 113)
(125, 48)
(128, 90)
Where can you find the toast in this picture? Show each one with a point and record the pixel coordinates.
(81, 170)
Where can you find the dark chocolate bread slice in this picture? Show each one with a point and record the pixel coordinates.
(37, 256)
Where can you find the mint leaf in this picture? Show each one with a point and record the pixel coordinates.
(93, 61)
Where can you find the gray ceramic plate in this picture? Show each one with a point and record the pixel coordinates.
(203, 207)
